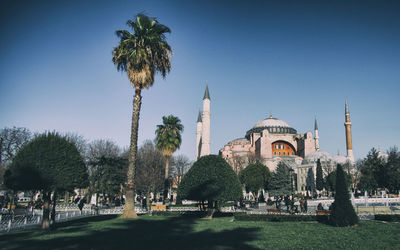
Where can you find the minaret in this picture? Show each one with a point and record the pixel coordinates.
(347, 125)
(316, 137)
(205, 135)
(198, 136)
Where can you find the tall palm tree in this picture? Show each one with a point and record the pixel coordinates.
(140, 55)
(168, 140)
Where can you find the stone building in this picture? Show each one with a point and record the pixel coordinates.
(270, 141)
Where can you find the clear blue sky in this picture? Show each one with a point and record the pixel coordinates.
(296, 59)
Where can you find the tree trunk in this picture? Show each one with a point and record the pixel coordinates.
(166, 181)
(53, 210)
(166, 167)
(129, 210)
(212, 206)
(66, 197)
(46, 211)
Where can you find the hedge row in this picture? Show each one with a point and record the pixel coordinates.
(388, 217)
(194, 214)
(246, 217)
(280, 218)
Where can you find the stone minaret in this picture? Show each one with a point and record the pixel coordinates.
(198, 136)
(205, 135)
(347, 125)
(316, 137)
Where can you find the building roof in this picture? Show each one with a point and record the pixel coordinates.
(271, 122)
(315, 125)
(273, 125)
(199, 118)
(314, 156)
(340, 159)
(239, 141)
(206, 94)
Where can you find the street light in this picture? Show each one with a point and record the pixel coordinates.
(291, 170)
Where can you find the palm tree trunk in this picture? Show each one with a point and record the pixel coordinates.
(129, 210)
(166, 181)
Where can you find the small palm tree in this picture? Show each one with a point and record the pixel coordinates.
(168, 140)
(140, 55)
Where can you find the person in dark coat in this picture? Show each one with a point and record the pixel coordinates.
(81, 204)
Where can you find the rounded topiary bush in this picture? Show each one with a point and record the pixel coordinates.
(210, 179)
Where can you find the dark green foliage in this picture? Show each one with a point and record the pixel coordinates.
(108, 173)
(310, 181)
(168, 135)
(343, 213)
(49, 163)
(273, 217)
(370, 171)
(320, 178)
(330, 180)
(390, 171)
(210, 179)
(281, 181)
(388, 217)
(255, 177)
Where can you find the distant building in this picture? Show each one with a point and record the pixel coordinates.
(271, 141)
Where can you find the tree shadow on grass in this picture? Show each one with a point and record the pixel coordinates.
(142, 233)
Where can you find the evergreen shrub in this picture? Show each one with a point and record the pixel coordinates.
(343, 213)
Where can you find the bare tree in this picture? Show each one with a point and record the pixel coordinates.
(180, 164)
(252, 158)
(102, 148)
(150, 169)
(79, 141)
(11, 141)
(238, 162)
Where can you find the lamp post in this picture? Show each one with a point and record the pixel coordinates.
(291, 170)
(1, 148)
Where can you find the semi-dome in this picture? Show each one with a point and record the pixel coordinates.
(340, 159)
(273, 125)
(239, 141)
(313, 157)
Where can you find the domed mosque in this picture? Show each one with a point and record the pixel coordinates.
(271, 141)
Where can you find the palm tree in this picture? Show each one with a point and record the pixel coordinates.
(168, 140)
(140, 55)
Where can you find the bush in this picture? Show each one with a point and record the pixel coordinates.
(274, 217)
(343, 213)
(255, 177)
(388, 217)
(192, 214)
(210, 179)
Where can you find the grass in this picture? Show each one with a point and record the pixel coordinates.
(159, 232)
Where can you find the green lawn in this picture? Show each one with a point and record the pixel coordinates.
(158, 232)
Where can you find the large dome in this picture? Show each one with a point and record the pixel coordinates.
(313, 157)
(273, 125)
(271, 122)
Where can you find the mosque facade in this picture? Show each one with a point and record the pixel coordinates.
(271, 141)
